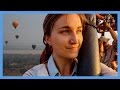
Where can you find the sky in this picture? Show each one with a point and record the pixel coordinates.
(30, 31)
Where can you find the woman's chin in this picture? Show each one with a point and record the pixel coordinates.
(72, 56)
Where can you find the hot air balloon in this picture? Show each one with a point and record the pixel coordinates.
(15, 24)
(6, 42)
(33, 46)
(17, 36)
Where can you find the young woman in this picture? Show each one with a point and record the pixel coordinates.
(63, 39)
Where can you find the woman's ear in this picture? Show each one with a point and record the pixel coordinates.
(48, 40)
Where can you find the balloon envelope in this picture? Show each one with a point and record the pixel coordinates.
(34, 46)
(6, 42)
(15, 24)
(17, 36)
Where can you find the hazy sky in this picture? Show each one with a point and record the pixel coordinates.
(30, 31)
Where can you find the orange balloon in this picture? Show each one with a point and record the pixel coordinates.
(15, 24)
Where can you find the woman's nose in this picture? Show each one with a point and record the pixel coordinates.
(74, 38)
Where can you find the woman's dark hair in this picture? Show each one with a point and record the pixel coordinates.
(48, 24)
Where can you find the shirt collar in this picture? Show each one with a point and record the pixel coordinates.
(52, 69)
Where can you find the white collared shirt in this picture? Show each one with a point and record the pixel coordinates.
(51, 70)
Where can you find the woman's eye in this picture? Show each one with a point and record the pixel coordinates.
(79, 31)
(65, 31)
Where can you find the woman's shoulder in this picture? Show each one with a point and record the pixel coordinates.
(38, 70)
(107, 71)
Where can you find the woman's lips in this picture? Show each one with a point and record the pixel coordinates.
(72, 47)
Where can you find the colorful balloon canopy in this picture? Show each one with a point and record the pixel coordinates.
(15, 23)
(33, 46)
(17, 36)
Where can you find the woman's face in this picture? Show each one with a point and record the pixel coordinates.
(66, 36)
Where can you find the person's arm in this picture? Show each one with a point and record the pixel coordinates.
(112, 32)
(107, 71)
(108, 27)
(114, 65)
(101, 48)
(100, 16)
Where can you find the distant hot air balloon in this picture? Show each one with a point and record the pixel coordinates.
(6, 42)
(17, 36)
(15, 24)
(33, 46)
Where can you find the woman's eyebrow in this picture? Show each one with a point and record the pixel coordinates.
(68, 27)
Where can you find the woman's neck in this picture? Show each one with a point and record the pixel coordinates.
(64, 65)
